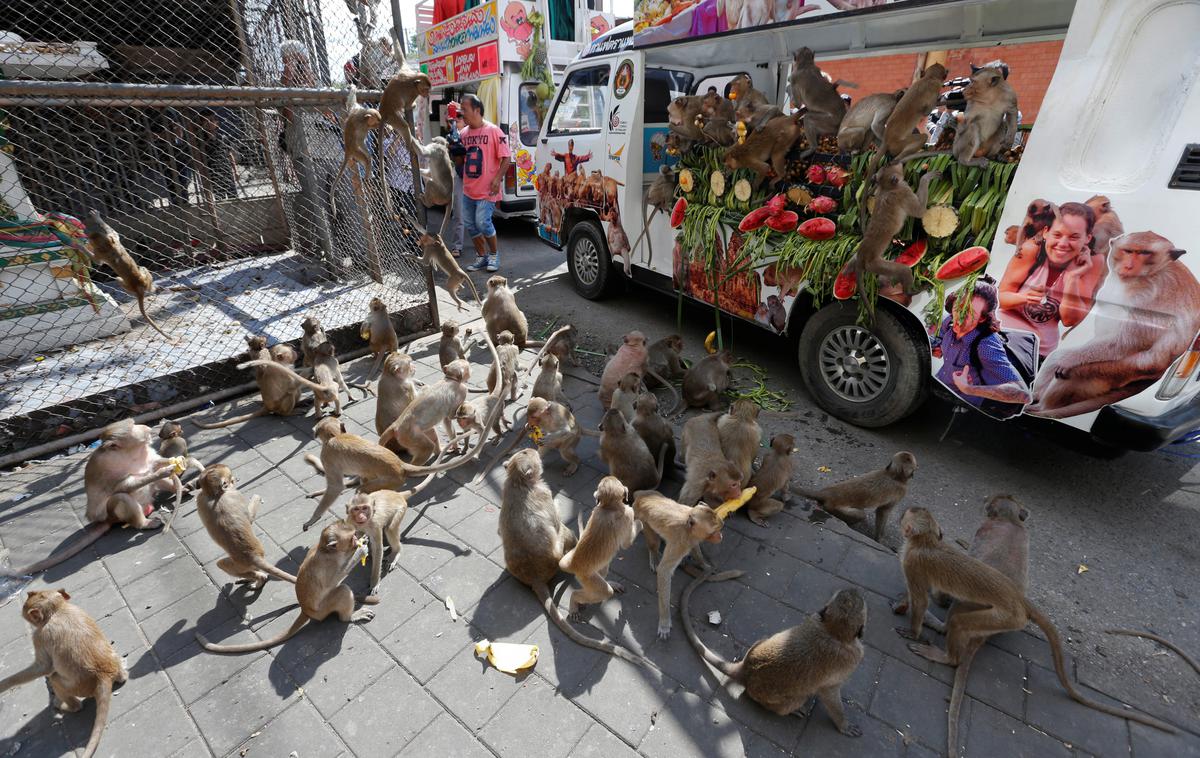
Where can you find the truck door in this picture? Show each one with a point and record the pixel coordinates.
(523, 137)
(659, 87)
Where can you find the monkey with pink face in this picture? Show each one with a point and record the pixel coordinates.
(631, 358)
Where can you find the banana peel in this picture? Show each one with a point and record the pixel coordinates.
(729, 506)
(508, 657)
(179, 463)
(710, 343)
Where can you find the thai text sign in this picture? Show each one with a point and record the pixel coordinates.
(469, 29)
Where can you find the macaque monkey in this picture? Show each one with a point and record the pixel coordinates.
(435, 253)
(376, 515)
(682, 528)
(548, 384)
(398, 97)
(742, 92)
(740, 436)
(710, 475)
(905, 131)
(880, 490)
(415, 429)
(682, 114)
(314, 336)
(894, 202)
(379, 332)
(990, 121)
(660, 196)
(718, 114)
(1144, 319)
(1108, 225)
(653, 428)
(618, 241)
(824, 107)
(535, 540)
(783, 671)
(625, 396)
(359, 121)
(500, 312)
(864, 123)
(929, 564)
(1038, 217)
(172, 444)
(326, 387)
(611, 527)
(771, 479)
(439, 177)
(74, 655)
(506, 372)
(561, 343)
(626, 455)
(319, 588)
(104, 246)
(770, 143)
(706, 381)
(280, 393)
(631, 357)
(228, 518)
(121, 478)
(450, 347)
(396, 390)
(665, 357)
(755, 117)
(555, 429)
(472, 415)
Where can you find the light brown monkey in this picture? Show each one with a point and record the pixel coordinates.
(1108, 224)
(783, 671)
(765, 151)
(416, 428)
(358, 122)
(654, 430)
(706, 381)
(626, 455)
(824, 107)
(718, 114)
(500, 312)
(228, 518)
(665, 358)
(755, 117)
(660, 196)
(439, 176)
(710, 475)
(172, 444)
(630, 357)
(535, 540)
(894, 202)
(435, 253)
(380, 333)
(742, 92)
(740, 436)
(319, 588)
(74, 655)
(561, 343)
(682, 114)
(398, 97)
(314, 335)
(506, 372)
(554, 428)
(450, 347)
(624, 397)
(377, 515)
(471, 416)
(325, 388)
(280, 393)
(1144, 318)
(682, 528)
(281, 353)
(905, 131)
(771, 478)
(929, 564)
(880, 490)
(396, 390)
(990, 120)
(864, 123)
(611, 527)
(548, 384)
(104, 246)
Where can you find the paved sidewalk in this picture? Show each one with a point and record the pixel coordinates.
(408, 683)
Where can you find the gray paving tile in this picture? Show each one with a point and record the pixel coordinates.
(810, 588)
(195, 672)
(471, 689)
(1147, 741)
(465, 579)
(400, 599)
(479, 529)
(194, 749)
(755, 616)
(445, 736)
(368, 723)
(429, 639)
(164, 585)
(27, 709)
(427, 547)
(625, 697)
(160, 728)
(129, 554)
(299, 729)
(598, 742)
(50, 742)
(998, 679)
(1051, 709)
(814, 545)
(875, 570)
(334, 674)
(821, 737)
(767, 569)
(986, 731)
(689, 725)
(779, 730)
(535, 702)
(241, 706)
(928, 723)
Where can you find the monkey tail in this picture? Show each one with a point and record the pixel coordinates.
(264, 565)
(662, 456)
(537, 359)
(178, 502)
(1056, 650)
(250, 647)
(232, 421)
(799, 491)
(1164, 642)
(103, 695)
(274, 366)
(666, 384)
(333, 186)
(417, 490)
(142, 307)
(543, 594)
(92, 532)
(520, 434)
(925, 154)
(956, 698)
(315, 462)
(728, 668)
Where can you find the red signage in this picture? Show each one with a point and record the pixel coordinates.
(467, 65)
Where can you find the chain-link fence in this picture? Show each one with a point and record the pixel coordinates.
(208, 136)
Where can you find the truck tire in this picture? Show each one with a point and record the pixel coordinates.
(868, 376)
(588, 261)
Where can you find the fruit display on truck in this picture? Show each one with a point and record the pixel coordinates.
(909, 189)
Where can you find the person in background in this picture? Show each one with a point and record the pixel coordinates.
(217, 155)
(484, 164)
(171, 151)
(398, 164)
(457, 153)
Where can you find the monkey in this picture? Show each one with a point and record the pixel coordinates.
(1108, 224)
(824, 107)
(865, 121)
(74, 655)
(553, 427)
(709, 476)
(881, 489)
(398, 96)
(1144, 319)
(471, 416)
(769, 143)
(611, 527)
(929, 564)
(228, 518)
(990, 120)
(1038, 217)
(771, 478)
(706, 381)
(282, 353)
(777, 313)
(173, 445)
(500, 312)
(506, 372)
(618, 241)
(665, 357)
(319, 588)
(326, 387)
(660, 196)
(561, 343)
(742, 92)
(626, 455)
(718, 114)
(379, 332)
(314, 335)
(435, 253)
(682, 113)
(894, 202)
(682, 528)
(783, 671)
(359, 121)
(449, 346)
(104, 246)
(548, 385)
(653, 428)
(279, 391)
(755, 117)
(439, 177)
(378, 514)
(396, 390)
(415, 429)
(911, 111)
(534, 541)
(677, 144)
(630, 357)
(1160, 640)
(625, 396)
(740, 436)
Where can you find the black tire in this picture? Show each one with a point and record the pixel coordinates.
(889, 378)
(588, 261)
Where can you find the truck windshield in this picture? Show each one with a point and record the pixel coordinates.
(530, 121)
(581, 102)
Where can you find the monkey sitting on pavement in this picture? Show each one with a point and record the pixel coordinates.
(654, 430)
(228, 518)
(509, 360)
(74, 655)
(280, 393)
(611, 527)
(376, 515)
(740, 436)
(880, 490)
(548, 384)
(771, 478)
(314, 335)
(450, 347)
(706, 381)
(624, 398)
(396, 391)
(473, 414)
(665, 358)
(710, 476)
(626, 455)
(377, 329)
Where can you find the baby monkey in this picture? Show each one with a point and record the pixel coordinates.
(771, 478)
(106, 248)
(450, 347)
(378, 514)
(880, 490)
(611, 527)
(228, 518)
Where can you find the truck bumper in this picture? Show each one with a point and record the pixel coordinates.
(523, 207)
(1125, 429)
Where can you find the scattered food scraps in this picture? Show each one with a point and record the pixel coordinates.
(824, 469)
(1082, 568)
(508, 657)
(714, 617)
(450, 607)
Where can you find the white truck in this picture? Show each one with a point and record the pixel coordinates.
(1084, 305)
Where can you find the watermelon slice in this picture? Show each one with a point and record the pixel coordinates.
(784, 221)
(912, 254)
(677, 213)
(846, 283)
(755, 219)
(818, 228)
(963, 263)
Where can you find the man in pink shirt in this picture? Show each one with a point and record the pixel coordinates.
(484, 164)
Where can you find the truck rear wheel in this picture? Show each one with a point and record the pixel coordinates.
(869, 376)
(588, 261)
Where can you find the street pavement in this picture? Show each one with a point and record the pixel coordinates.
(1113, 543)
